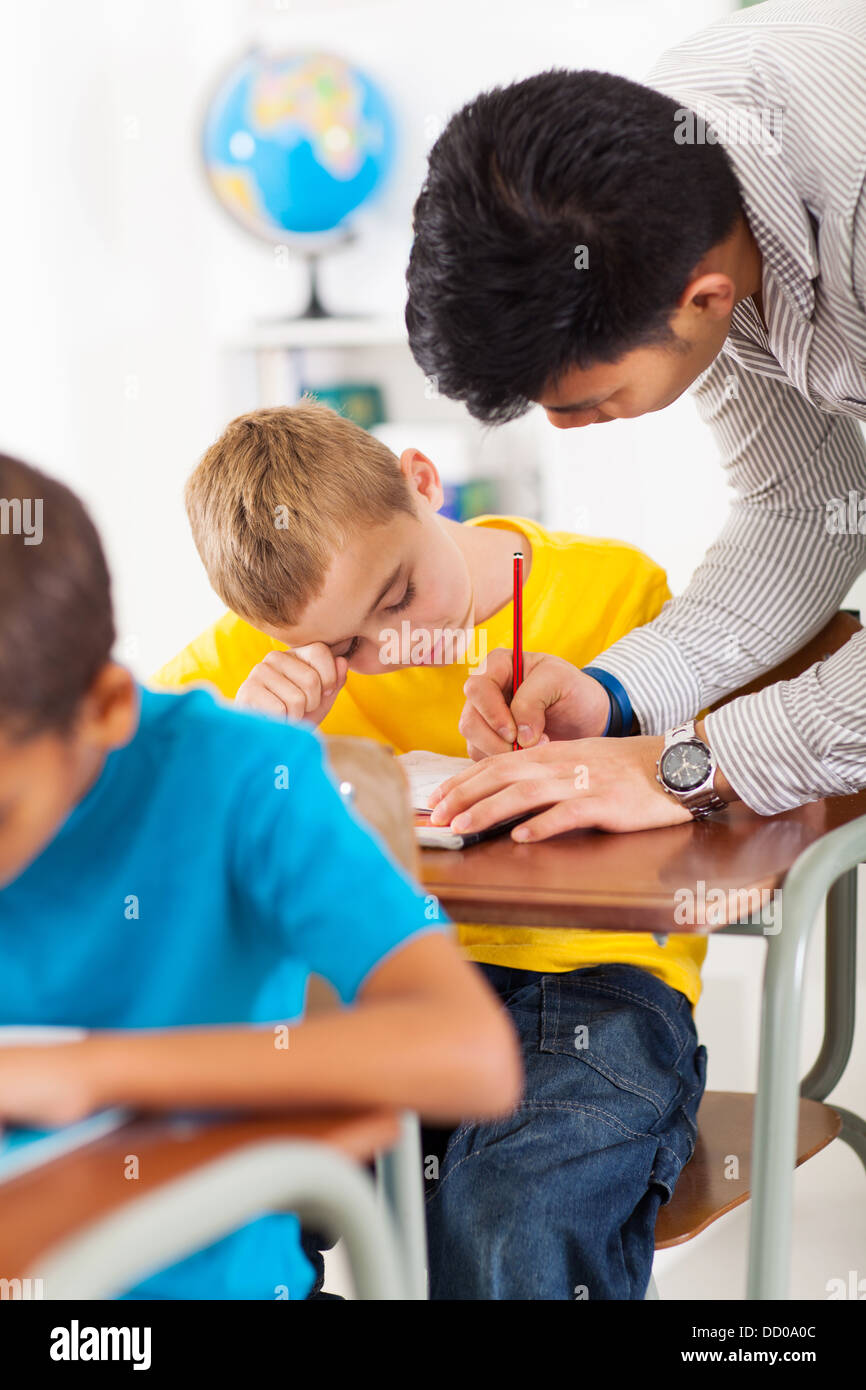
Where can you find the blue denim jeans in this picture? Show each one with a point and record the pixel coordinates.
(559, 1199)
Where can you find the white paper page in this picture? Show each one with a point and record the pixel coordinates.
(37, 1035)
(426, 771)
(437, 837)
(22, 1150)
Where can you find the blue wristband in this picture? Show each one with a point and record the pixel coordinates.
(621, 715)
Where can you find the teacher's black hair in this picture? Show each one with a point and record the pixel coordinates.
(518, 182)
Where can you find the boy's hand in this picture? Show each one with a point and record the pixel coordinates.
(555, 701)
(41, 1087)
(300, 684)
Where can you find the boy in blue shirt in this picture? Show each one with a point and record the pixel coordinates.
(167, 863)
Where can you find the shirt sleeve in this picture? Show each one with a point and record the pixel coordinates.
(777, 571)
(313, 874)
(858, 260)
(804, 738)
(800, 739)
(222, 656)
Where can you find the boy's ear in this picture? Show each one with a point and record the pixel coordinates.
(109, 711)
(422, 476)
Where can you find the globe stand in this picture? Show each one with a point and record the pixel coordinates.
(314, 308)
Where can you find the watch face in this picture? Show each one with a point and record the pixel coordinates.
(685, 766)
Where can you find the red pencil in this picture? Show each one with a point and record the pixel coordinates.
(517, 639)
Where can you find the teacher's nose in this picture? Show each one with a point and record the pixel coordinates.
(576, 420)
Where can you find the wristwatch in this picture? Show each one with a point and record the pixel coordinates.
(686, 769)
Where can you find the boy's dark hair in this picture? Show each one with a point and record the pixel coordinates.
(56, 623)
(521, 178)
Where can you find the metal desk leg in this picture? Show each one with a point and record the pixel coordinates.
(774, 1141)
(840, 982)
(776, 1104)
(399, 1174)
(840, 993)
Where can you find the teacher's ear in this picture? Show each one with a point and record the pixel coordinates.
(712, 296)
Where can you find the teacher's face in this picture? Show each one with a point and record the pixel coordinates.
(647, 378)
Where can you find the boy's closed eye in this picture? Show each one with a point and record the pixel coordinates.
(408, 596)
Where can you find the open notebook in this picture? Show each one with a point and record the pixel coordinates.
(426, 771)
(22, 1149)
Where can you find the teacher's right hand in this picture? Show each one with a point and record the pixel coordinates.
(555, 701)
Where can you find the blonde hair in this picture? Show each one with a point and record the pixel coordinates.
(278, 495)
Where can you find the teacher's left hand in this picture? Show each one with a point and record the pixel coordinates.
(574, 784)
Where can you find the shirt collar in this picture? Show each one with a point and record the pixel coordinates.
(774, 209)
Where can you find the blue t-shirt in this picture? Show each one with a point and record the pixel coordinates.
(211, 868)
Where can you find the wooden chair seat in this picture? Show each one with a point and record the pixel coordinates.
(704, 1192)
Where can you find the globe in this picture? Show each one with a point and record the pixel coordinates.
(293, 144)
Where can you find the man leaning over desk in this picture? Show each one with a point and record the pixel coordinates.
(719, 220)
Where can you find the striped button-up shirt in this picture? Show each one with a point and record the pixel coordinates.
(783, 88)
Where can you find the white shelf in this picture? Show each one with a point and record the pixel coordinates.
(324, 333)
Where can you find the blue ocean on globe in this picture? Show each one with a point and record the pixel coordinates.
(294, 144)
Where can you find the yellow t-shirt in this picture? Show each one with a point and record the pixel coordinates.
(581, 595)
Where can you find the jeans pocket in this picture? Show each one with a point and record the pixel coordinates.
(621, 1038)
(695, 1081)
(679, 1135)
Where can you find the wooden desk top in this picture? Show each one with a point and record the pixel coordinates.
(629, 882)
(48, 1205)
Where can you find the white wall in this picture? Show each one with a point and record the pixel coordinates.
(122, 282)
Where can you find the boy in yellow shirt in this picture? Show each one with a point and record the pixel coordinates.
(349, 598)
